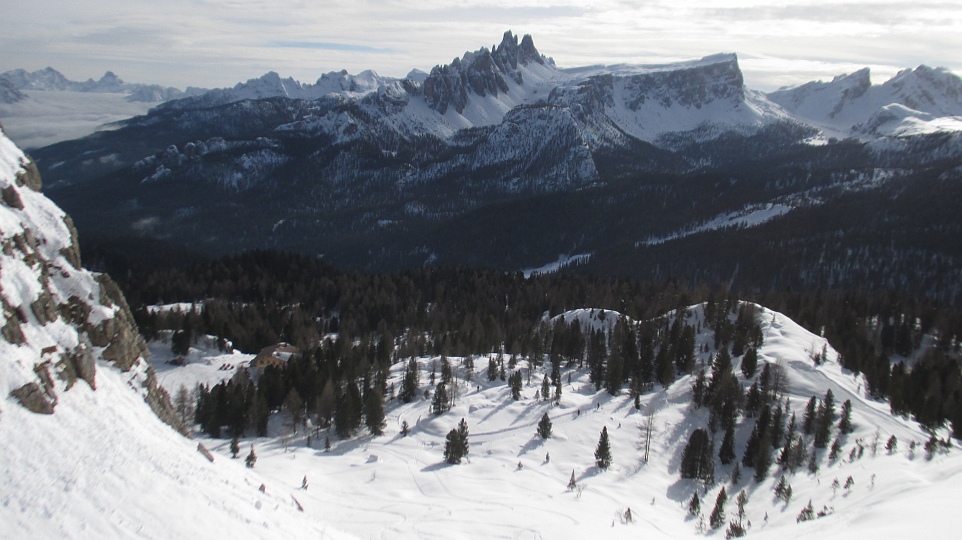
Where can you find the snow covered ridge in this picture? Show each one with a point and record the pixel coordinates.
(913, 102)
(86, 454)
(58, 319)
(749, 216)
(644, 101)
(49, 79)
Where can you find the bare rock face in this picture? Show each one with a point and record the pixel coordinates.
(480, 73)
(34, 399)
(124, 345)
(58, 319)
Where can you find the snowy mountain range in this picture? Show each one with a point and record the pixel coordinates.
(49, 79)
(43, 107)
(643, 101)
(502, 148)
(918, 101)
(86, 453)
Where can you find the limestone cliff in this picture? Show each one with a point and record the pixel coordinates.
(58, 321)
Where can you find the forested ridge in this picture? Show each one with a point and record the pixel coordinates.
(351, 326)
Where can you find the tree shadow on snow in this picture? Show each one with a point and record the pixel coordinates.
(682, 489)
(436, 466)
(532, 444)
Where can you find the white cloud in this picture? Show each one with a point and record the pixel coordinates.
(217, 43)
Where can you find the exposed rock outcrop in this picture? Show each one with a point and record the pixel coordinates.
(481, 73)
(57, 318)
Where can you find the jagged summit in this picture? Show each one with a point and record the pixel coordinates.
(482, 73)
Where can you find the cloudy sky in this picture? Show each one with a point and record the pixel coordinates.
(216, 43)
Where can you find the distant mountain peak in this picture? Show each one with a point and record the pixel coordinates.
(850, 104)
(49, 79)
(481, 73)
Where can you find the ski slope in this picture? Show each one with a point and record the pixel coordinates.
(399, 487)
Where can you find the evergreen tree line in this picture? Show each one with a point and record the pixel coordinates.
(259, 298)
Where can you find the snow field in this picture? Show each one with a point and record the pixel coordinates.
(400, 487)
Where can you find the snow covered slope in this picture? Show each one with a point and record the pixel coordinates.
(84, 454)
(514, 484)
(919, 101)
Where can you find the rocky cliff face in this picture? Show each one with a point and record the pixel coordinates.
(59, 322)
(481, 73)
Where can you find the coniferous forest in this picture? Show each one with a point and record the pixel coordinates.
(351, 327)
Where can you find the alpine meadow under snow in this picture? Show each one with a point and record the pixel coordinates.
(514, 484)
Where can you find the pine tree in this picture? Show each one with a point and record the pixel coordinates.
(572, 484)
(845, 422)
(790, 431)
(727, 451)
(439, 405)
(463, 435)
(665, 366)
(374, 412)
(456, 444)
(776, 427)
(185, 407)
(751, 448)
(409, 385)
(452, 448)
(892, 445)
(824, 419)
(545, 388)
(807, 513)
(694, 505)
(516, 382)
(741, 500)
(294, 406)
(735, 530)
(717, 517)
(750, 363)
(234, 447)
(446, 374)
(603, 451)
(251, 458)
(544, 427)
(696, 457)
(835, 451)
(259, 414)
(492, 369)
(813, 461)
(736, 474)
(763, 457)
(808, 419)
(698, 389)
